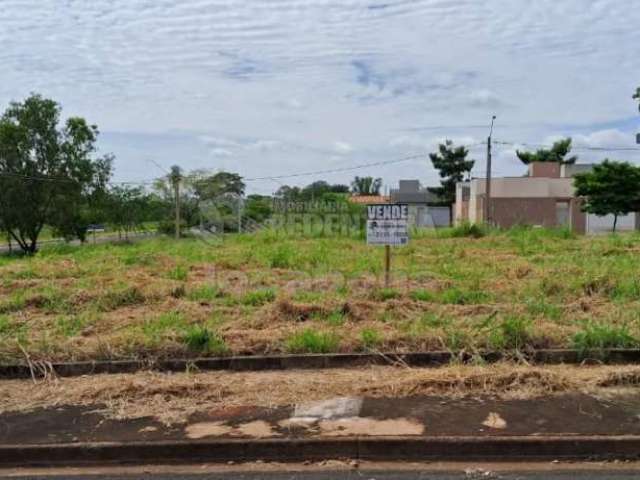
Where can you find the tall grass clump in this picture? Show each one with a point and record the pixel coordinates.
(200, 339)
(312, 341)
(602, 336)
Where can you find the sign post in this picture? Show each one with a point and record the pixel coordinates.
(387, 225)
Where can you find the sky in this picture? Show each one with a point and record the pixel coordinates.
(269, 88)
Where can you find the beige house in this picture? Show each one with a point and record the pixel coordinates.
(544, 197)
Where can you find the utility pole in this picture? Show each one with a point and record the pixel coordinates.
(239, 214)
(176, 177)
(487, 203)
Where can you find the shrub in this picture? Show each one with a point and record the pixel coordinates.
(259, 297)
(312, 341)
(600, 336)
(200, 339)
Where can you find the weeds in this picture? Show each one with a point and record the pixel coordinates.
(513, 333)
(121, 297)
(179, 273)
(205, 293)
(312, 341)
(200, 339)
(257, 298)
(600, 336)
(370, 338)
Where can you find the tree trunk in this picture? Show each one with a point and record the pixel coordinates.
(615, 222)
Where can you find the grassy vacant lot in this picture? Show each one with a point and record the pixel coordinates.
(273, 292)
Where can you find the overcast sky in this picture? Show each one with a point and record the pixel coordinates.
(275, 87)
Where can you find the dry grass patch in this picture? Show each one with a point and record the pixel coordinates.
(173, 397)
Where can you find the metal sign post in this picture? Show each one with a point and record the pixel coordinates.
(387, 225)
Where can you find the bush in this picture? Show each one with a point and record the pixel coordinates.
(599, 336)
(311, 341)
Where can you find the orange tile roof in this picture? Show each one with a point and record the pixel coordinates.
(369, 199)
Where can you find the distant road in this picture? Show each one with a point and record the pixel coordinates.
(4, 248)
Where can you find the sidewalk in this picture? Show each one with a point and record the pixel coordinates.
(568, 426)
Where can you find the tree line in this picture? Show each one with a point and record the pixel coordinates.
(52, 176)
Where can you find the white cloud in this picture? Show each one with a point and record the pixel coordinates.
(276, 81)
(342, 148)
(221, 152)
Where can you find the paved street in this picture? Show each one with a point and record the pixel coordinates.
(364, 475)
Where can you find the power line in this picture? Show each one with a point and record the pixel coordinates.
(336, 170)
(597, 149)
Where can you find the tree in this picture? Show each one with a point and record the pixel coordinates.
(610, 188)
(452, 164)
(557, 153)
(366, 186)
(127, 208)
(636, 96)
(48, 171)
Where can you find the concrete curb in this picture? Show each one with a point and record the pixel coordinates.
(508, 449)
(320, 361)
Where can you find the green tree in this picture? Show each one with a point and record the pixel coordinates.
(127, 208)
(557, 153)
(48, 171)
(610, 188)
(452, 164)
(366, 186)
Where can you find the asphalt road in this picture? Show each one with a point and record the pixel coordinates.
(362, 475)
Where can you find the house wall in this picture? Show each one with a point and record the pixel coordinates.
(525, 187)
(544, 169)
(508, 212)
(578, 217)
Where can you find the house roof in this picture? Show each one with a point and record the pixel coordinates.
(365, 199)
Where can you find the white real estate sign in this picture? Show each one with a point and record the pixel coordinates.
(387, 224)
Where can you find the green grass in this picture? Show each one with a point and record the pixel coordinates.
(179, 273)
(600, 336)
(205, 293)
(452, 288)
(201, 340)
(257, 298)
(370, 338)
(312, 341)
(120, 297)
(512, 333)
